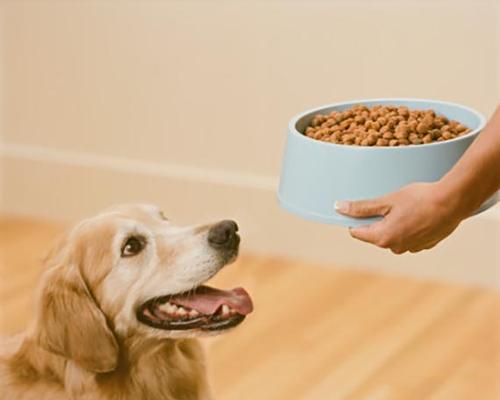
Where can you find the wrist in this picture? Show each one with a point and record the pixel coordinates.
(460, 195)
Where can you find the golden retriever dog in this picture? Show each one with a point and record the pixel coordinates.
(119, 311)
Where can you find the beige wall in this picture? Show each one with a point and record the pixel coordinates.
(2, 191)
(185, 103)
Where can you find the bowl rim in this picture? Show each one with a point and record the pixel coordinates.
(293, 123)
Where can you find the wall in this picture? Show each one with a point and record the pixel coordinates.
(185, 103)
(2, 191)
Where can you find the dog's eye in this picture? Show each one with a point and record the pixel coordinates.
(133, 246)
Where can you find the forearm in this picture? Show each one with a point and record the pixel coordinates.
(476, 176)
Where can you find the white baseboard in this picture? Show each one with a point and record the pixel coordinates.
(62, 185)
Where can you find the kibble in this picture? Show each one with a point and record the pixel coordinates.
(383, 126)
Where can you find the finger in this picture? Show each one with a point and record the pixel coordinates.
(374, 234)
(427, 246)
(399, 250)
(363, 208)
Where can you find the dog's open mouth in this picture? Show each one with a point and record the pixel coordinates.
(204, 308)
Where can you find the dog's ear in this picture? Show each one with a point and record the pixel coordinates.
(71, 324)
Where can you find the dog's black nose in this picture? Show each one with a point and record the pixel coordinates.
(223, 234)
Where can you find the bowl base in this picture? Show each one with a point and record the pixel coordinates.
(348, 222)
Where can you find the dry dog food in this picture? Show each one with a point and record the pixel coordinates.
(383, 126)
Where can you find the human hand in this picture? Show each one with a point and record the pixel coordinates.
(417, 217)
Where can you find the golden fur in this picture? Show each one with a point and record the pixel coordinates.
(85, 342)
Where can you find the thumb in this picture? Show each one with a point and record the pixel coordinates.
(363, 208)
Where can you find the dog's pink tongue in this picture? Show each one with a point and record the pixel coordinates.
(207, 300)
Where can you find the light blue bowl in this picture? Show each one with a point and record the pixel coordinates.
(316, 174)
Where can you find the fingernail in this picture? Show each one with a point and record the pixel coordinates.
(341, 206)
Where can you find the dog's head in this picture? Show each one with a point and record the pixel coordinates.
(129, 272)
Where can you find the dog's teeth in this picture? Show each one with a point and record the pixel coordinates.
(166, 307)
(225, 310)
(193, 313)
(181, 311)
(173, 309)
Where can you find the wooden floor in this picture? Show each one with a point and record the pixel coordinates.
(322, 334)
